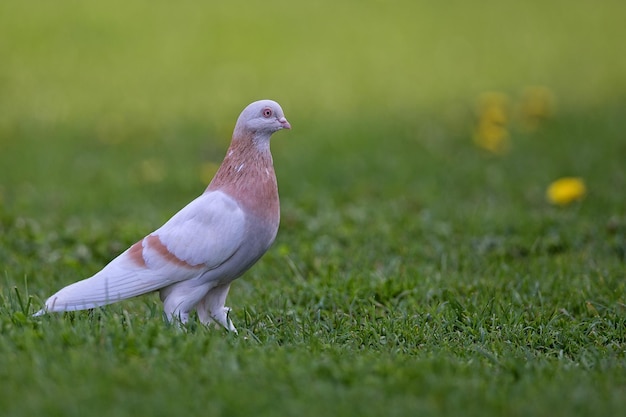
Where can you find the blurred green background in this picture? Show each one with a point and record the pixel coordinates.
(162, 79)
(161, 63)
(416, 239)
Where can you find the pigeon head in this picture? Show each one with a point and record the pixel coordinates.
(261, 119)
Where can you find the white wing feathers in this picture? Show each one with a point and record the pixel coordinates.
(207, 231)
(120, 279)
(202, 236)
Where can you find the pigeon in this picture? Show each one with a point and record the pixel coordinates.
(194, 257)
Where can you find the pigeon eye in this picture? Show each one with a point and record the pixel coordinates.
(267, 112)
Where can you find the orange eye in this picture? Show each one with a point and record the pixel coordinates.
(267, 112)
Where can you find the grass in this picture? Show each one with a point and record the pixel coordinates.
(414, 273)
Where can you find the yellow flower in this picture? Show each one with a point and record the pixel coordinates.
(492, 137)
(566, 190)
(493, 105)
(491, 131)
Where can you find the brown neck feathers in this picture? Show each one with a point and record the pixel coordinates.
(247, 175)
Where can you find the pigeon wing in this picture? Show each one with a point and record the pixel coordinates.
(202, 236)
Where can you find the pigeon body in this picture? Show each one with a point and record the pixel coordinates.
(193, 258)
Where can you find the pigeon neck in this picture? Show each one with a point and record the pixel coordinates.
(259, 138)
(247, 175)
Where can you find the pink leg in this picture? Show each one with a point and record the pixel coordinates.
(211, 308)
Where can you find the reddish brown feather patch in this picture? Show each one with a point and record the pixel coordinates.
(155, 243)
(136, 254)
(247, 175)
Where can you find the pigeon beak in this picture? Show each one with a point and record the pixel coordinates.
(284, 123)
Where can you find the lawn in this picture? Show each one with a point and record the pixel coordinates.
(419, 268)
